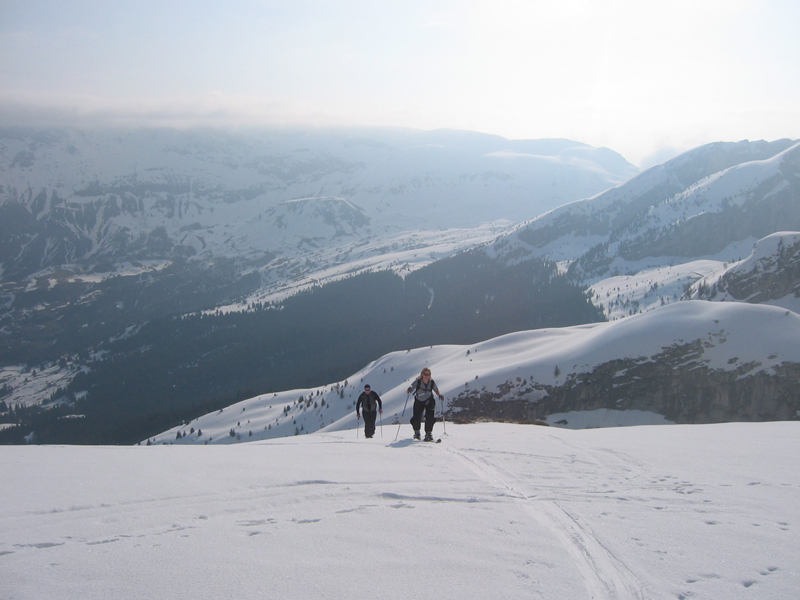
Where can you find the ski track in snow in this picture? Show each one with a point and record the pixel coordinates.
(604, 576)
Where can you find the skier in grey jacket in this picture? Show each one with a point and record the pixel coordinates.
(424, 389)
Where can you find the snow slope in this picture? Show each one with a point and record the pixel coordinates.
(400, 253)
(495, 511)
(768, 276)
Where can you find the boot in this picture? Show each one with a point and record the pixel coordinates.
(428, 436)
(416, 434)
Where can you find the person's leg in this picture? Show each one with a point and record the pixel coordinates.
(430, 416)
(416, 419)
(369, 423)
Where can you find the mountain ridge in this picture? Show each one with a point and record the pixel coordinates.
(592, 222)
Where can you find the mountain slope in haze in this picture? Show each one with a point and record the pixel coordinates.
(75, 196)
(605, 233)
(644, 242)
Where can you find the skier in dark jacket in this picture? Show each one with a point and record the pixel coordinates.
(424, 389)
(371, 403)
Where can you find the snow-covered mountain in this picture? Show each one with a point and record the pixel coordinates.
(713, 201)
(644, 242)
(85, 196)
(690, 362)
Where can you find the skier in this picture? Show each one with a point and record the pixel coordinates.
(424, 401)
(371, 403)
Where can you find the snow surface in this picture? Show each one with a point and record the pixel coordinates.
(29, 386)
(626, 295)
(494, 511)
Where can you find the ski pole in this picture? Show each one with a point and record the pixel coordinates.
(401, 416)
(444, 426)
(358, 424)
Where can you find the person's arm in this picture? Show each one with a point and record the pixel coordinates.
(358, 405)
(380, 403)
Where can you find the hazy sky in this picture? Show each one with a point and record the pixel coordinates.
(645, 78)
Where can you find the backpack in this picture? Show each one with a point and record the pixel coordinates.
(369, 403)
(418, 385)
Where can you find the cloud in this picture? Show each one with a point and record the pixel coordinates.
(214, 109)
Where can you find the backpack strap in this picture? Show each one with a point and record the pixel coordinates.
(428, 389)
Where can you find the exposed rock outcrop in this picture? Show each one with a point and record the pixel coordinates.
(677, 383)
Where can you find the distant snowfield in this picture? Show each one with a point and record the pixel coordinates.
(401, 253)
(494, 511)
(626, 295)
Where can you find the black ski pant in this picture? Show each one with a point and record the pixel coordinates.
(428, 407)
(369, 422)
